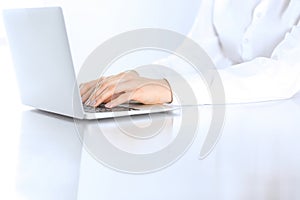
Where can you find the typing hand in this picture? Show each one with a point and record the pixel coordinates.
(123, 87)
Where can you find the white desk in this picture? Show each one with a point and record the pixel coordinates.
(257, 157)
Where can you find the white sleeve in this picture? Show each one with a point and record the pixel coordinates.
(264, 79)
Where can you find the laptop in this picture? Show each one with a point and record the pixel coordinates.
(43, 64)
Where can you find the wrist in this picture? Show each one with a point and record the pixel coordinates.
(168, 95)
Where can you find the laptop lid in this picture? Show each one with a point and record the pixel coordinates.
(42, 60)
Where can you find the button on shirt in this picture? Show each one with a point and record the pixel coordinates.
(250, 29)
(255, 44)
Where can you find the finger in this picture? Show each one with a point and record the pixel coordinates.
(125, 97)
(114, 96)
(107, 93)
(86, 96)
(112, 92)
(85, 87)
(91, 93)
(111, 82)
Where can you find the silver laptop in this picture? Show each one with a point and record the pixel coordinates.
(43, 64)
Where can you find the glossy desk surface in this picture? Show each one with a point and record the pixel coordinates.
(256, 157)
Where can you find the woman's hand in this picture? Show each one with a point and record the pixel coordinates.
(123, 87)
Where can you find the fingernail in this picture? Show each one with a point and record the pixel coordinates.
(87, 102)
(93, 102)
(108, 105)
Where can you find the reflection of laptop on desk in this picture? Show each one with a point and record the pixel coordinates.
(43, 63)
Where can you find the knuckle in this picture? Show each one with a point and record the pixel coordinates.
(111, 88)
(104, 84)
(83, 88)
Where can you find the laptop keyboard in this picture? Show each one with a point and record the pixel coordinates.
(102, 108)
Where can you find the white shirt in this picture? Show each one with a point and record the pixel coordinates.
(255, 45)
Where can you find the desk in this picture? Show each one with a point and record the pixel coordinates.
(257, 157)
